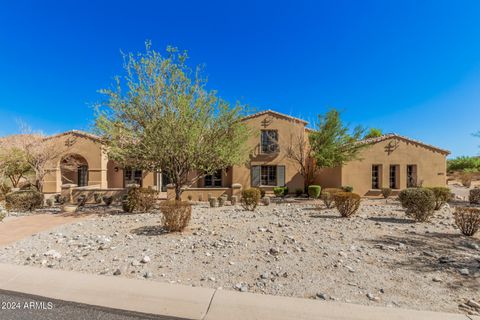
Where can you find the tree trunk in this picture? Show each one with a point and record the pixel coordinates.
(178, 192)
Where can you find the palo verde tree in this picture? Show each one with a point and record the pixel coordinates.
(332, 143)
(373, 133)
(13, 164)
(161, 116)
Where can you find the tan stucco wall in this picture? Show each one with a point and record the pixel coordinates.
(431, 165)
(287, 130)
(87, 148)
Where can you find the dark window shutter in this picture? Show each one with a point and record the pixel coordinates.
(280, 176)
(255, 176)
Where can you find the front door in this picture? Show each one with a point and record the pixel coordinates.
(82, 177)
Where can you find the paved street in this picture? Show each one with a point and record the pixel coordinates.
(35, 308)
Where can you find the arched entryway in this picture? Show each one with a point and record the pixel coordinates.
(74, 169)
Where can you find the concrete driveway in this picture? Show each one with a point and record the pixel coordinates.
(16, 228)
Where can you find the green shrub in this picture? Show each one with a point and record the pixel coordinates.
(327, 199)
(26, 200)
(2, 216)
(467, 220)
(386, 192)
(418, 202)
(347, 203)
(314, 191)
(176, 214)
(442, 195)
(474, 196)
(347, 188)
(279, 191)
(250, 198)
(463, 163)
(107, 200)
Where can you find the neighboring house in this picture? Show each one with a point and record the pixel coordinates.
(389, 161)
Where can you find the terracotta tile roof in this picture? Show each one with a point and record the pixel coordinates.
(77, 133)
(282, 115)
(394, 135)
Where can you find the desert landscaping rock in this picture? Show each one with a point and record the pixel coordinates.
(289, 249)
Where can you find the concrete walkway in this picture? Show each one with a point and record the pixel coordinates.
(186, 302)
(15, 228)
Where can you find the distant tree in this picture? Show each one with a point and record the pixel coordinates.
(332, 143)
(13, 164)
(41, 153)
(298, 150)
(162, 117)
(373, 133)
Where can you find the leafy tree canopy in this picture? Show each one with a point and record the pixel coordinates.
(333, 143)
(161, 116)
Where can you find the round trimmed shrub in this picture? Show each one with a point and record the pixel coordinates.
(250, 198)
(418, 202)
(176, 214)
(347, 188)
(23, 200)
(347, 203)
(314, 191)
(280, 191)
(442, 195)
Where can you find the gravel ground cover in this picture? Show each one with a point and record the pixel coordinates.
(378, 257)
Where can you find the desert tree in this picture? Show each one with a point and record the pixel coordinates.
(373, 133)
(159, 116)
(298, 150)
(333, 143)
(13, 164)
(39, 152)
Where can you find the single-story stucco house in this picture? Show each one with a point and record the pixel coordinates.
(390, 160)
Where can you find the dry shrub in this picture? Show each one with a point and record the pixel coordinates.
(176, 214)
(332, 190)
(139, 199)
(347, 203)
(466, 178)
(147, 200)
(442, 195)
(467, 220)
(27, 200)
(327, 199)
(418, 202)
(474, 196)
(250, 198)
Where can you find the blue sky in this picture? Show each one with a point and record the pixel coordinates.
(410, 67)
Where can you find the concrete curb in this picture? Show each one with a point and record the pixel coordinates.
(189, 302)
